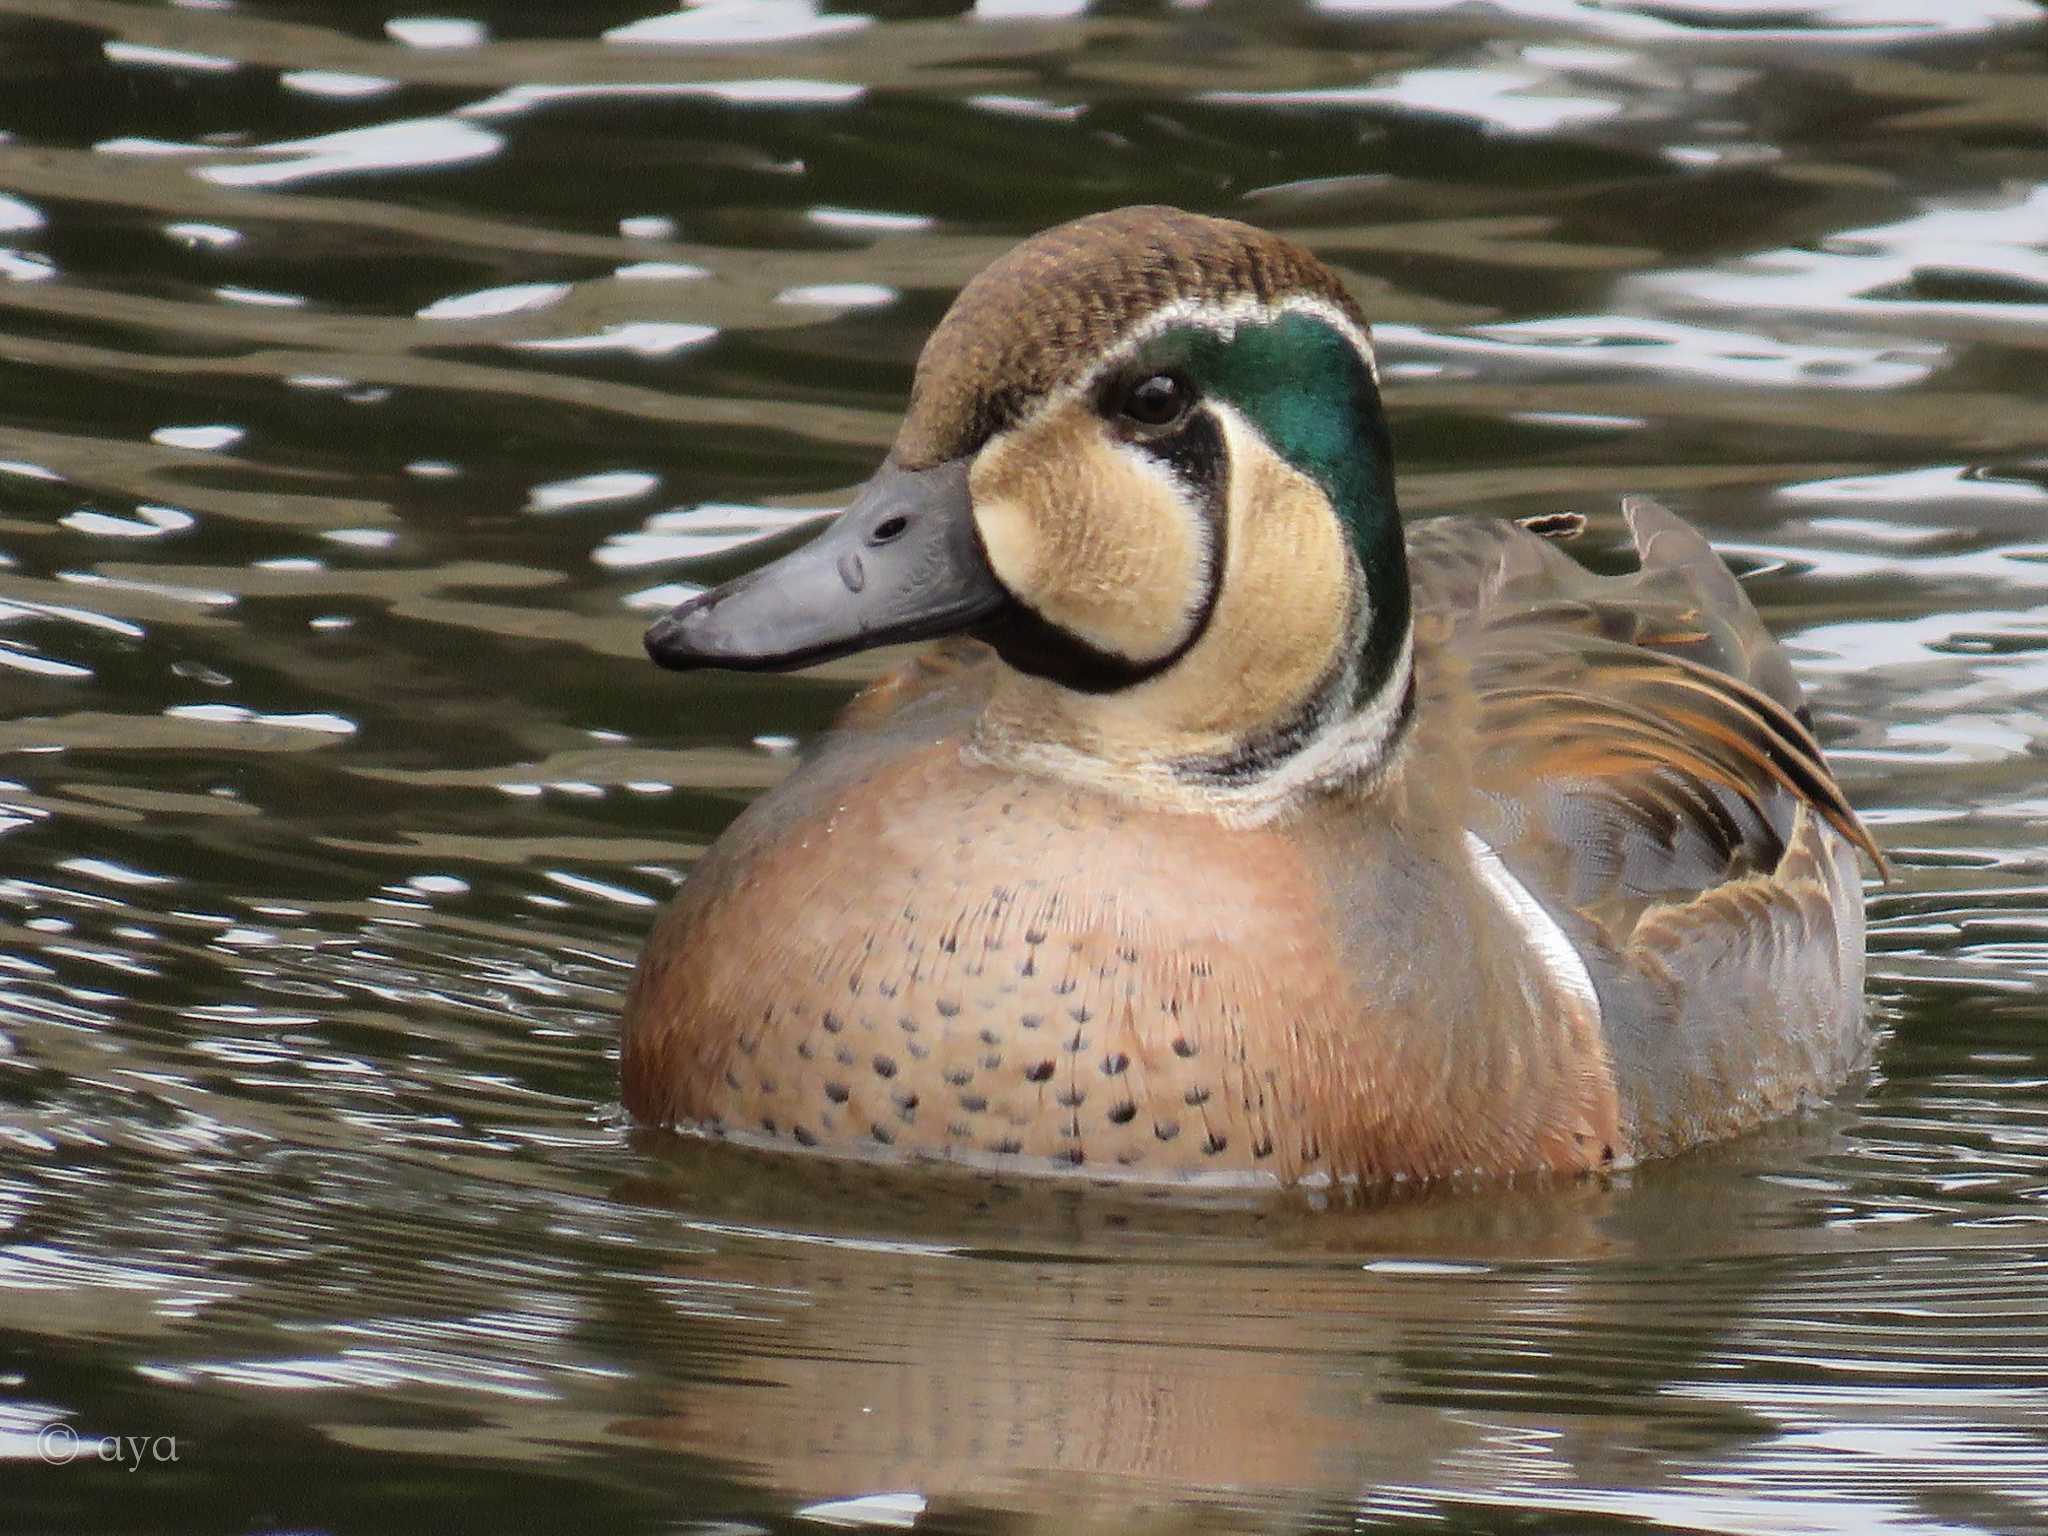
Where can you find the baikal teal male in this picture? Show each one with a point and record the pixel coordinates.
(1235, 830)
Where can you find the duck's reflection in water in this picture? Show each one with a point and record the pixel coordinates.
(1085, 1356)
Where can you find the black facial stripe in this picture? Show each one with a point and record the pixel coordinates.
(1031, 643)
(1196, 456)
(1199, 461)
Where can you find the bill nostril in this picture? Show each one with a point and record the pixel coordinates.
(888, 528)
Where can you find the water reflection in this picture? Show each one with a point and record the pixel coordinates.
(367, 380)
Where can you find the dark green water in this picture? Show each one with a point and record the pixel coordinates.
(366, 381)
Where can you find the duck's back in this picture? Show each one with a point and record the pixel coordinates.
(1640, 762)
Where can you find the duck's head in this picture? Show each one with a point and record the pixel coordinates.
(1145, 459)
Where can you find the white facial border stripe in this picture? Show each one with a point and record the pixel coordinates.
(1351, 752)
(1353, 747)
(1225, 317)
(1352, 744)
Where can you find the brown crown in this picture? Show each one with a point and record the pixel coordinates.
(1042, 315)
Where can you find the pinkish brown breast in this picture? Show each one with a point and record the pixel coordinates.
(935, 956)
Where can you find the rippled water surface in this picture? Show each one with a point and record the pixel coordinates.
(367, 380)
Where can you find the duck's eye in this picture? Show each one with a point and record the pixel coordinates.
(1157, 401)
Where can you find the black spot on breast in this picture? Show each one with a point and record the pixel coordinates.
(1196, 1096)
(1123, 1114)
(1216, 1143)
(1038, 1072)
(958, 1077)
(1114, 1063)
(885, 1066)
(838, 1093)
(974, 1103)
(1166, 1130)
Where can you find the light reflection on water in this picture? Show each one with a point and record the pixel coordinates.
(367, 383)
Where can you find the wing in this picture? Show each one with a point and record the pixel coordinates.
(1647, 727)
(1642, 762)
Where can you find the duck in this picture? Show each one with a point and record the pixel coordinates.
(1233, 830)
